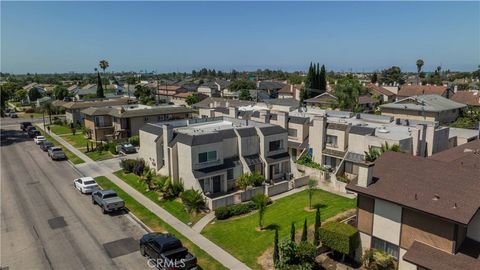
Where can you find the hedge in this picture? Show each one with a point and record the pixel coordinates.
(225, 212)
(340, 237)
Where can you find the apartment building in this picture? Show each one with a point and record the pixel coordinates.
(209, 154)
(116, 122)
(422, 211)
(424, 107)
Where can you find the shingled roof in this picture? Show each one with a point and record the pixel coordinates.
(414, 90)
(446, 187)
(471, 98)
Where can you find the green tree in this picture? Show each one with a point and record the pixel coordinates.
(261, 201)
(374, 78)
(242, 85)
(130, 81)
(100, 93)
(20, 95)
(316, 233)
(311, 186)
(244, 95)
(374, 153)
(295, 79)
(305, 231)
(419, 64)
(292, 232)
(323, 79)
(275, 247)
(193, 200)
(34, 94)
(48, 107)
(347, 90)
(60, 92)
(392, 75)
(103, 64)
(148, 177)
(192, 99)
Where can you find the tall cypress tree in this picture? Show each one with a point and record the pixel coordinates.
(316, 235)
(322, 79)
(292, 232)
(317, 77)
(305, 231)
(99, 86)
(275, 248)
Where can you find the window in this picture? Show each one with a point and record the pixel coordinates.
(160, 118)
(331, 140)
(207, 156)
(145, 119)
(230, 174)
(276, 168)
(202, 183)
(292, 132)
(275, 145)
(385, 246)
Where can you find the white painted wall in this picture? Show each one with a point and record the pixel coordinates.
(404, 265)
(387, 221)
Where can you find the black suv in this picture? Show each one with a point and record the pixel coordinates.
(167, 251)
(24, 125)
(44, 145)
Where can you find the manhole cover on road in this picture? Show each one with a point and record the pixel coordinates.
(56, 223)
(121, 247)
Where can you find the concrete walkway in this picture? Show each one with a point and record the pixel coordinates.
(198, 227)
(91, 168)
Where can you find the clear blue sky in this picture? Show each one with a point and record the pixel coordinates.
(48, 37)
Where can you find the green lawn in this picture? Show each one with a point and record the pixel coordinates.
(174, 207)
(60, 130)
(36, 116)
(205, 261)
(71, 156)
(98, 155)
(240, 238)
(78, 140)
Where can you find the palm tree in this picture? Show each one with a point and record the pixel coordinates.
(419, 68)
(47, 107)
(193, 200)
(372, 154)
(311, 185)
(148, 177)
(261, 201)
(103, 65)
(130, 80)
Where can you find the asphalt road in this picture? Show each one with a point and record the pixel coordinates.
(47, 224)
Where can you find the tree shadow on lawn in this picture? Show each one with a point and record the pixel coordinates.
(272, 227)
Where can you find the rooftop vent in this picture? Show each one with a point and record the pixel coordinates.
(436, 197)
(383, 130)
(455, 206)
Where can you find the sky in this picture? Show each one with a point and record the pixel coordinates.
(49, 37)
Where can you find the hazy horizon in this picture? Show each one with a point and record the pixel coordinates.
(63, 37)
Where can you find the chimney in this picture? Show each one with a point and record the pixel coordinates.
(167, 137)
(232, 112)
(211, 105)
(282, 119)
(265, 116)
(227, 104)
(317, 137)
(365, 175)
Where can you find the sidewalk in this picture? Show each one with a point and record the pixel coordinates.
(91, 168)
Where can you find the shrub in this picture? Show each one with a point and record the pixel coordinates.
(306, 252)
(340, 237)
(134, 140)
(306, 160)
(374, 259)
(112, 147)
(127, 165)
(293, 256)
(254, 179)
(193, 200)
(176, 188)
(58, 122)
(225, 212)
(29, 110)
(139, 167)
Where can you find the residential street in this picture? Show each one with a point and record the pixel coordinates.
(47, 224)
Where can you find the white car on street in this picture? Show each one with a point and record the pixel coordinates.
(39, 139)
(85, 184)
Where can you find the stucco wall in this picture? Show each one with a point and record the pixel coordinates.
(473, 230)
(197, 149)
(387, 221)
(404, 265)
(151, 151)
(342, 139)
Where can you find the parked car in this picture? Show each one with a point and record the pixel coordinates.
(45, 145)
(108, 200)
(32, 132)
(56, 153)
(127, 148)
(24, 125)
(39, 139)
(13, 115)
(85, 184)
(167, 251)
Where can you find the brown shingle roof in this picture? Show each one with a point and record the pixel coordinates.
(414, 90)
(96, 103)
(444, 189)
(150, 111)
(431, 258)
(379, 89)
(471, 98)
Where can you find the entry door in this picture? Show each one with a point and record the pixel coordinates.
(217, 184)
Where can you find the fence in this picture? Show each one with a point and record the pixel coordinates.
(249, 193)
(277, 188)
(226, 200)
(301, 181)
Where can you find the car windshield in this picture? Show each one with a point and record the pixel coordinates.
(109, 195)
(47, 143)
(89, 182)
(127, 145)
(56, 149)
(40, 138)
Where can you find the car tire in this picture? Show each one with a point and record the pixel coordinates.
(142, 250)
(104, 211)
(93, 201)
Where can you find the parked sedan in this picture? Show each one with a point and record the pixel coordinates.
(56, 153)
(127, 148)
(85, 184)
(13, 115)
(39, 139)
(45, 145)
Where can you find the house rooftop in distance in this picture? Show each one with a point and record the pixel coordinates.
(428, 103)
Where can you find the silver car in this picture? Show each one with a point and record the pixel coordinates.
(56, 153)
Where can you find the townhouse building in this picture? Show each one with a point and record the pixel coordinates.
(117, 122)
(209, 154)
(424, 212)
